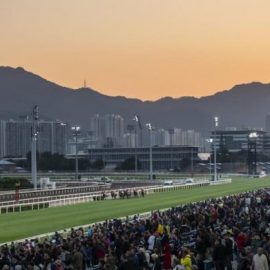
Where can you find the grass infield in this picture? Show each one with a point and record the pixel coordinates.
(26, 224)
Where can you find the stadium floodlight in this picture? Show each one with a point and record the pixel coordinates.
(76, 133)
(253, 135)
(34, 137)
(210, 141)
(215, 147)
(216, 121)
(252, 144)
(136, 119)
(150, 128)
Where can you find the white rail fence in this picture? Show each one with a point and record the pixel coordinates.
(62, 200)
(144, 215)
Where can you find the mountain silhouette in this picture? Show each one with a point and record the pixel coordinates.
(244, 105)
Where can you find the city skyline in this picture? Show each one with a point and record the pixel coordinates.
(145, 49)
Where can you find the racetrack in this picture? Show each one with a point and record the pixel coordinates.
(26, 224)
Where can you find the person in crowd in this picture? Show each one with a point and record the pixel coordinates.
(78, 258)
(167, 263)
(218, 229)
(156, 262)
(186, 260)
(259, 261)
(229, 245)
(219, 255)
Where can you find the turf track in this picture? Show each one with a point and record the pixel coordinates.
(19, 225)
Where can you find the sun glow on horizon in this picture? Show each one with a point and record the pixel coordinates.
(139, 49)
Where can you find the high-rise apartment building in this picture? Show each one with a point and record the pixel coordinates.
(52, 137)
(176, 136)
(162, 137)
(191, 137)
(108, 129)
(97, 128)
(114, 128)
(130, 138)
(15, 137)
(267, 123)
(60, 135)
(2, 138)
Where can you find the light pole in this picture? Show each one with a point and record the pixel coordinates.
(215, 148)
(210, 159)
(150, 151)
(136, 119)
(130, 128)
(34, 135)
(76, 133)
(171, 132)
(253, 162)
(192, 172)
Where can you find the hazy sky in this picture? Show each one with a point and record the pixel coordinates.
(139, 48)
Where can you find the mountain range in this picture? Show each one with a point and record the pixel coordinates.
(244, 105)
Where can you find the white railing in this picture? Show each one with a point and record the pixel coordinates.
(22, 191)
(221, 181)
(48, 198)
(60, 196)
(62, 200)
(141, 215)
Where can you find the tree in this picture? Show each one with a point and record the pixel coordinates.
(185, 163)
(98, 164)
(10, 183)
(129, 164)
(47, 161)
(84, 164)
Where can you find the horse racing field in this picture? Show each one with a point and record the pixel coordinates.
(29, 223)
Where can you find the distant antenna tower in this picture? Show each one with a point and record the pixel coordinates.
(84, 84)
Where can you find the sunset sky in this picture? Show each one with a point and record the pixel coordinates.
(139, 48)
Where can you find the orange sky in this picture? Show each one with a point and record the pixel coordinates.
(139, 48)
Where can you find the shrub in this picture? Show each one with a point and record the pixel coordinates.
(10, 183)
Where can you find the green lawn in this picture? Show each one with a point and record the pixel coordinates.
(19, 225)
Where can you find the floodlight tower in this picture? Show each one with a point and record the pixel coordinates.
(210, 141)
(252, 143)
(150, 128)
(215, 148)
(34, 136)
(76, 133)
(136, 119)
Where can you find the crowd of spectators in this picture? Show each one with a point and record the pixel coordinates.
(232, 232)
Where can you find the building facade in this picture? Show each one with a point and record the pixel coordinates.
(15, 137)
(176, 136)
(52, 137)
(2, 138)
(164, 158)
(267, 123)
(97, 128)
(108, 129)
(236, 140)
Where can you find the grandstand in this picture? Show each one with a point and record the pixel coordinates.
(211, 234)
(187, 233)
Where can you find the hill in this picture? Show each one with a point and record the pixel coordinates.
(243, 105)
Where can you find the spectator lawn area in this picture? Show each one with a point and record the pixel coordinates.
(26, 224)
